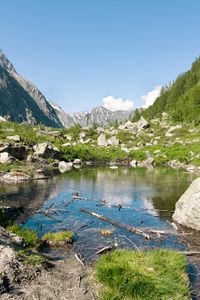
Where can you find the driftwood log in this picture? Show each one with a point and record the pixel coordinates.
(115, 223)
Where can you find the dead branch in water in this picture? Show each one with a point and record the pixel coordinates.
(104, 250)
(115, 223)
(79, 259)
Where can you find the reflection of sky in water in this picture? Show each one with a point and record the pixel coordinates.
(140, 192)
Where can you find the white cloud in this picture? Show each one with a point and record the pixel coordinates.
(114, 104)
(151, 96)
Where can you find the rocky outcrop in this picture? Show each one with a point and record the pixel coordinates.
(20, 100)
(187, 211)
(46, 150)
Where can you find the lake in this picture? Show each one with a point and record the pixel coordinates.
(143, 198)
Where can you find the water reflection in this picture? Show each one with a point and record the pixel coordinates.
(147, 197)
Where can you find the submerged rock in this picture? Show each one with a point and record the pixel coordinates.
(187, 211)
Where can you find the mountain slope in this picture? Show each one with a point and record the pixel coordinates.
(20, 100)
(98, 115)
(181, 99)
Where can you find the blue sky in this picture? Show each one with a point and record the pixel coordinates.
(80, 51)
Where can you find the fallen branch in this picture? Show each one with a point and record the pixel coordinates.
(190, 253)
(80, 260)
(104, 250)
(115, 223)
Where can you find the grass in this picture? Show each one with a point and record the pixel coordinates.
(31, 258)
(157, 275)
(29, 236)
(62, 236)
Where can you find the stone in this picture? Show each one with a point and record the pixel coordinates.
(102, 141)
(187, 210)
(82, 134)
(15, 177)
(2, 119)
(55, 133)
(66, 145)
(113, 167)
(77, 161)
(133, 163)
(113, 141)
(14, 138)
(46, 150)
(142, 124)
(64, 166)
(5, 157)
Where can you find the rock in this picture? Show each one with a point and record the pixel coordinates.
(46, 150)
(77, 161)
(82, 134)
(102, 141)
(113, 141)
(55, 133)
(172, 128)
(187, 211)
(113, 167)
(68, 137)
(149, 161)
(64, 167)
(15, 177)
(5, 157)
(133, 163)
(2, 119)
(142, 124)
(14, 138)
(17, 151)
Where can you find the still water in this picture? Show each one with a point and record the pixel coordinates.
(147, 198)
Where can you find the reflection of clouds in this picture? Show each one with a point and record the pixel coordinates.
(147, 204)
(53, 193)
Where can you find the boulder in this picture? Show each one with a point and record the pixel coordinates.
(113, 141)
(64, 167)
(133, 163)
(46, 150)
(14, 138)
(102, 141)
(187, 211)
(77, 161)
(142, 124)
(15, 177)
(5, 157)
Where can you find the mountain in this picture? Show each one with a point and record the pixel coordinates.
(181, 99)
(98, 115)
(20, 100)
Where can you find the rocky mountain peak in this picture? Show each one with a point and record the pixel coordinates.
(5, 63)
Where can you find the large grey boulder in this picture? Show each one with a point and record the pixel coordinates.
(102, 141)
(14, 138)
(46, 150)
(142, 124)
(187, 211)
(64, 166)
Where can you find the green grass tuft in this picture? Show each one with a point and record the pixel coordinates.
(157, 275)
(29, 236)
(61, 236)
